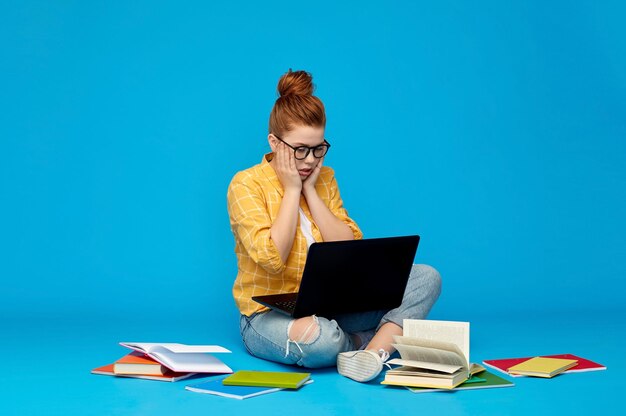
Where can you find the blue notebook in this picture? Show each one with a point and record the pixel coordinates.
(215, 386)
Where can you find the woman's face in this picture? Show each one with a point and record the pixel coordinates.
(308, 136)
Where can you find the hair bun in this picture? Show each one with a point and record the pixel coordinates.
(295, 83)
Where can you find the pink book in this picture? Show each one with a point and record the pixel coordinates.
(504, 364)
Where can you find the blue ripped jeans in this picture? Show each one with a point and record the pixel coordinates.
(265, 334)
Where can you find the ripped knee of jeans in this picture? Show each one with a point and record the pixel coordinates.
(302, 331)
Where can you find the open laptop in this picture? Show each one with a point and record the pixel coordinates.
(349, 276)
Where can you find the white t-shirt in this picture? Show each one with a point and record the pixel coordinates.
(305, 226)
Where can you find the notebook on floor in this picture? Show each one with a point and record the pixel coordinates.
(349, 276)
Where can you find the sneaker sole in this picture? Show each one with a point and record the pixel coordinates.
(360, 366)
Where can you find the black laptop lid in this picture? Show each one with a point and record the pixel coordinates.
(355, 276)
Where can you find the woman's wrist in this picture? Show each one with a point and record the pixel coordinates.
(308, 191)
(293, 187)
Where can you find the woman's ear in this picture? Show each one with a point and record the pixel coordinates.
(271, 139)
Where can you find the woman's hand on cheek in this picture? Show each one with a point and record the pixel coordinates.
(286, 168)
(311, 180)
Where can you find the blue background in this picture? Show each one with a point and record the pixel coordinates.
(495, 130)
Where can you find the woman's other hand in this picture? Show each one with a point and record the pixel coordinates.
(309, 183)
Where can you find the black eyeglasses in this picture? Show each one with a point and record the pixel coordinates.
(301, 152)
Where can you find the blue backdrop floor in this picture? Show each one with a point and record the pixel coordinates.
(48, 361)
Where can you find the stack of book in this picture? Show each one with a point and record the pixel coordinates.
(165, 361)
(244, 384)
(546, 366)
(483, 380)
(435, 356)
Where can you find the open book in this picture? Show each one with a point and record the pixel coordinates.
(434, 354)
(183, 358)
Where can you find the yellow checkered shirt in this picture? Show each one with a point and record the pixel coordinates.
(254, 197)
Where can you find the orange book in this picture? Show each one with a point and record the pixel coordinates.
(138, 363)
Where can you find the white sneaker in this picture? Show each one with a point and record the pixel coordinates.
(363, 365)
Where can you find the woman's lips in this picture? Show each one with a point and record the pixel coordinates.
(305, 172)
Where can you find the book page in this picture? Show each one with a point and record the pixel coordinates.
(148, 347)
(411, 372)
(447, 331)
(425, 366)
(194, 348)
(436, 345)
(476, 368)
(432, 355)
(196, 362)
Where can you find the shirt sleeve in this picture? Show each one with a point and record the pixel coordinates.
(250, 222)
(335, 204)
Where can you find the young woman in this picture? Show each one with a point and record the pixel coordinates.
(277, 209)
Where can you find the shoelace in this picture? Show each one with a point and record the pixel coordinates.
(384, 356)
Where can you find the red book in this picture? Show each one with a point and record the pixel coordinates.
(504, 364)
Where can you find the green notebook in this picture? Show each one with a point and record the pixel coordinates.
(285, 380)
(489, 381)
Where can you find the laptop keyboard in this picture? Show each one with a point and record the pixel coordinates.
(286, 305)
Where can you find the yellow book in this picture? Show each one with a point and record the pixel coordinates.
(542, 367)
